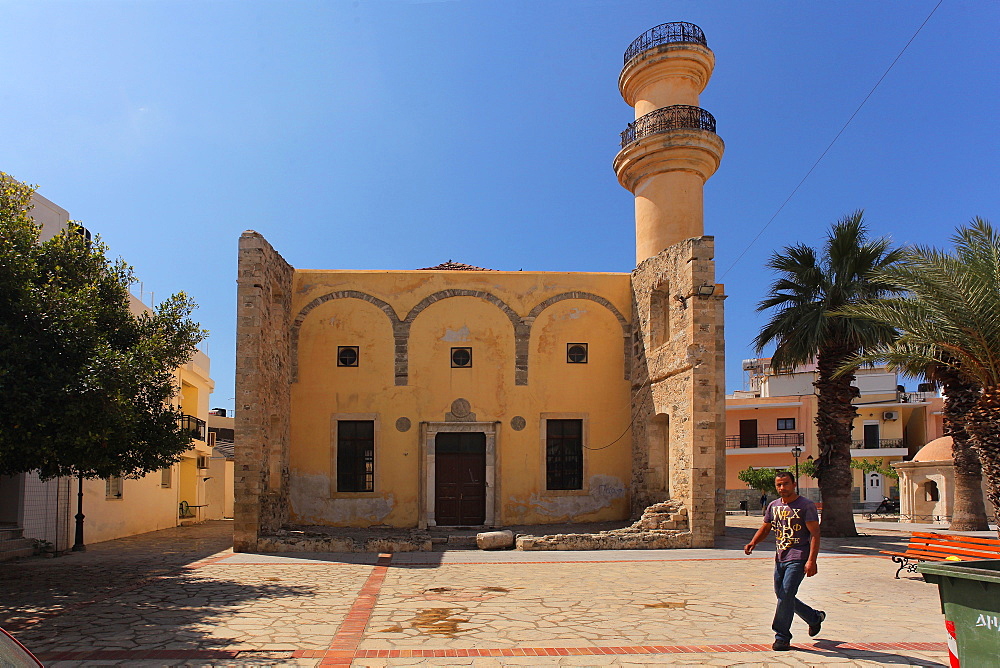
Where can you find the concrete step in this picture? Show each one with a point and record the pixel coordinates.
(16, 548)
(9, 532)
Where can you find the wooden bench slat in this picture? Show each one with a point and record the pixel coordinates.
(925, 546)
(993, 542)
(958, 547)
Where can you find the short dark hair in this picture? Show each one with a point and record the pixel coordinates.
(785, 474)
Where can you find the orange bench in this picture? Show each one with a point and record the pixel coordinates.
(941, 547)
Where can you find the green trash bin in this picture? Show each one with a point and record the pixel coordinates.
(970, 601)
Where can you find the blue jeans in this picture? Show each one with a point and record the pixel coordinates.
(787, 578)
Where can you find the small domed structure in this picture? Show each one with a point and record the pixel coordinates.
(938, 450)
(927, 484)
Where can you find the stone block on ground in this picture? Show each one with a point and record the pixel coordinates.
(495, 540)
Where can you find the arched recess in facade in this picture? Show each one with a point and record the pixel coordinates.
(521, 330)
(343, 294)
(580, 295)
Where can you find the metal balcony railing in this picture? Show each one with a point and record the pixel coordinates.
(676, 117)
(665, 33)
(194, 426)
(875, 445)
(788, 440)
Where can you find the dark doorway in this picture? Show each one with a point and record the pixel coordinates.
(748, 433)
(871, 436)
(460, 479)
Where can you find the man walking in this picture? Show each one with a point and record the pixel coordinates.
(795, 521)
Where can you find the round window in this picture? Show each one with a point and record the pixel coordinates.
(461, 357)
(347, 356)
(576, 353)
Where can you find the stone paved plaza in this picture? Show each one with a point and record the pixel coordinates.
(181, 597)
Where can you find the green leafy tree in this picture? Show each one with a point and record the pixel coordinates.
(810, 469)
(86, 386)
(948, 323)
(760, 479)
(810, 287)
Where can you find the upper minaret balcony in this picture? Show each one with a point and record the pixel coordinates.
(665, 33)
(667, 65)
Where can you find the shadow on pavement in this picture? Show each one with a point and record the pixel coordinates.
(833, 648)
(39, 586)
(176, 611)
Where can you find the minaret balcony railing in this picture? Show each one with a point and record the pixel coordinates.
(666, 33)
(676, 117)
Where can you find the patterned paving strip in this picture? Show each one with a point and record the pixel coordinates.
(345, 656)
(343, 648)
(118, 591)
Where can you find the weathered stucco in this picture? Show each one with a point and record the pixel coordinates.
(602, 492)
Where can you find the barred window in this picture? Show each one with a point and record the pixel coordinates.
(355, 455)
(564, 454)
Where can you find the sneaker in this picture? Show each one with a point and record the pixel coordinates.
(814, 628)
(781, 646)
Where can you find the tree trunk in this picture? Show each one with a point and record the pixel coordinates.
(834, 419)
(969, 513)
(983, 424)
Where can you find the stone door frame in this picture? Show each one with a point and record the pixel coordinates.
(430, 430)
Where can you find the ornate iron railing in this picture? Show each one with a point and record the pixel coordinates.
(882, 443)
(676, 117)
(767, 441)
(665, 33)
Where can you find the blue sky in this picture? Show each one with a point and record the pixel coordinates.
(397, 135)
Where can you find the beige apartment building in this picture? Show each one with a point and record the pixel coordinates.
(772, 424)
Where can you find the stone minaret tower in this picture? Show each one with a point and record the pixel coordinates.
(678, 359)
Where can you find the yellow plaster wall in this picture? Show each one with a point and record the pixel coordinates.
(144, 506)
(596, 391)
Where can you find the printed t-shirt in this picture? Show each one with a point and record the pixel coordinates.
(788, 522)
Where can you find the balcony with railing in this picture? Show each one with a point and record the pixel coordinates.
(789, 440)
(876, 444)
(676, 117)
(665, 33)
(193, 426)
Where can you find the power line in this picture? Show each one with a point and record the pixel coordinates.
(827, 149)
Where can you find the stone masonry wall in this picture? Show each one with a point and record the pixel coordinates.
(263, 391)
(678, 387)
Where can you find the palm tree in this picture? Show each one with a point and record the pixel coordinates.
(808, 290)
(948, 320)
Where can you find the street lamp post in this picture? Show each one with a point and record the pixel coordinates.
(796, 452)
(78, 546)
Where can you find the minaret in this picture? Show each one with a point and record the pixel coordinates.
(671, 148)
(678, 349)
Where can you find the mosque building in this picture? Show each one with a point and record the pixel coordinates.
(456, 396)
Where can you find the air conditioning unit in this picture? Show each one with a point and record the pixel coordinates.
(202, 462)
(890, 415)
(211, 439)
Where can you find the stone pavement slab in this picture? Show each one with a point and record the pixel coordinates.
(182, 598)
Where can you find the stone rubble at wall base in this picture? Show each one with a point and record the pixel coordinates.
(662, 526)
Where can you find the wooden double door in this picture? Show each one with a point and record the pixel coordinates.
(460, 479)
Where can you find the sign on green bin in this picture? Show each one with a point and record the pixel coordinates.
(970, 601)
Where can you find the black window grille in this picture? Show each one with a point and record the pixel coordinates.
(355, 455)
(786, 423)
(347, 355)
(564, 454)
(576, 353)
(461, 358)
